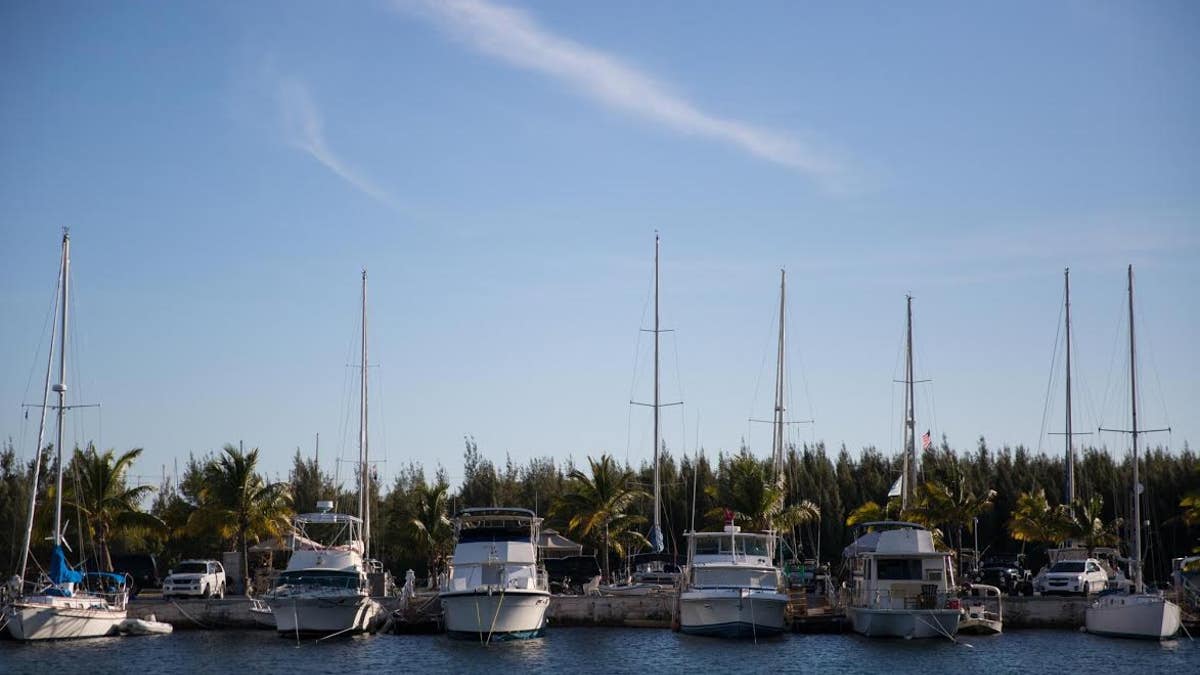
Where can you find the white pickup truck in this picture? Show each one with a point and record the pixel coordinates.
(195, 578)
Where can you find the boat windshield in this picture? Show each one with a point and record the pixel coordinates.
(1068, 566)
(318, 578)
(750, 545)
(725, 577)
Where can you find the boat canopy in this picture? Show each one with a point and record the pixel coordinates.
(61, 572)
(893, 537)
(327, 518)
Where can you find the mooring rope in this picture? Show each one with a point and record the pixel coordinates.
(495, 616)
(194, 619)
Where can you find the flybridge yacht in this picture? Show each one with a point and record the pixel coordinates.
(732, 586)
(62, 603)
(324, 589)
(496, 588)
(901, 586)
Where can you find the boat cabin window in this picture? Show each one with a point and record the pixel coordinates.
(898, 568)
(724, 545)
(1068, 566)
(496, 532)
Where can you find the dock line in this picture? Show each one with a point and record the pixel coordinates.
(194, 619)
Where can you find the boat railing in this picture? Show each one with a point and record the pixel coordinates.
(929, 597)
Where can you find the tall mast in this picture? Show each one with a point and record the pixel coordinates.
(777, 443)
(37, 455)
(910, 445)
(364, 477)
(1069, 496)
(1137, 486)
(656, 538)
(61, 387)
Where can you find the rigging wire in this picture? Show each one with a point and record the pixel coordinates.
(1053, 374)
(637, 353)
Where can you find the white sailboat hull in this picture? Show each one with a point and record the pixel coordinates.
(478, 615)
(1134, 616)
(62, 619)
(904, 623)
(732, 612)
(324, 614)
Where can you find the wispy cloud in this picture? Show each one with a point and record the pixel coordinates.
(515, 37)
(304, 129)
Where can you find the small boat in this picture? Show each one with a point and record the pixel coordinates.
(982, 610)
(901, 586)
(496, 589)
(147, 626)
(650, 574)
(1140, 614)
(732, 586)
(64, 602)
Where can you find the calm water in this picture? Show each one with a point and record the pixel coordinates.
(599, 650)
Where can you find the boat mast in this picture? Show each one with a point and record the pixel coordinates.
(656, 538)
(1069, 496)
(37, 455)
(364, 478)
(1137, 486)
(777, 443)
(61, 387)
(910, 448)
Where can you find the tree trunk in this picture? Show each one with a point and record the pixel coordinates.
(607, 574)
(242, 527)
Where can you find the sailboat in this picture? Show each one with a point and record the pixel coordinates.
(64, 603)
(654, 571)
(733, 585)
(326, 588)
(901, 585)
(1140, 614)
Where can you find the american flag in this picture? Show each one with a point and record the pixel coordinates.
(926, 441)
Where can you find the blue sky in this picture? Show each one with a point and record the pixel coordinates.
(500, 169)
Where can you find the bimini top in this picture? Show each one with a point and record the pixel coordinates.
(898, 538)
(501, 512)
(328, 518)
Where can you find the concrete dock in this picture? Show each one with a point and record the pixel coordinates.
(646, 611)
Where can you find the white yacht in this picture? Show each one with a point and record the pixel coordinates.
(901, 586)
(63, 603)
(324, 590)
(496, 589)
(732, 586)
(1140, 614)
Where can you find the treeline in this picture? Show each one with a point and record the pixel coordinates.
(222, 501)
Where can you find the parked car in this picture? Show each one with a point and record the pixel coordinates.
(1007, 573)
(195, 578)
(142, 568)
(1066, 577)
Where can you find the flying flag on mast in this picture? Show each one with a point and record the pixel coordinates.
(926, 441)
(896, 487)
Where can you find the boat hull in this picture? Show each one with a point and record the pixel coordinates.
(324, 615)
(61, 619)
(1144, 617)
(732, 613)
(482, 616)
(904, 623)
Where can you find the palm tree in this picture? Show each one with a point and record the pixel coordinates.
(867, 513)
(1089, 529)
(597, 506)
(954, 506)
(757, 503)
(238, 504)
(431, 524)
(1035, 520)
(106, 501)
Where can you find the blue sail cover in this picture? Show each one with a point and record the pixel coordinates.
(656, 540)
(60, 571)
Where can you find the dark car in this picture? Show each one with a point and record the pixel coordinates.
(141, 567)
(1006, 572)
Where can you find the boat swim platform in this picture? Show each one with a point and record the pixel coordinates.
(644, 611)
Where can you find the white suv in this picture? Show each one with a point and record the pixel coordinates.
(195, 578)
(1082, 577)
